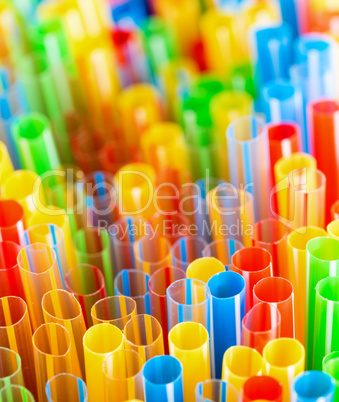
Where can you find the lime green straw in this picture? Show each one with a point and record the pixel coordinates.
(331, 367)
(322, 261)
(33, 136)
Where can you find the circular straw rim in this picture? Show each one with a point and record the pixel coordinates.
(158, 326)
(190, 323)
(163, 357)
(271, 306)
(67, 336)
(97, 328)
(25, 312)
(275, 279)
(201, 283)
(70, 297)
(256, 271)
(69, 375)
(54, 262)
(280, 340)
(18, 369)
(123, 351)
(95, 269)
(108, 299)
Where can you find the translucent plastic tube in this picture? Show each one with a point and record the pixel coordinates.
(189, 343)
(64, 386)
(87, 283)
(16, 393)
(271, 235)
(326, 313)
(123, 233)
(188, 300)
(143, 334)
(39, 272)
(158, 284)
(52, 353)
(61, 307)
(231, 214)
(322, 118)
(115, 310)
(123, 375)
(260, 325)
(10, 372)
(99, 341)
(152, 254)
(36, 147)
(228, 300)
(163, 379)
(240, 363)
(187, 249)
(92, 246)
(204, 268)
(52, 236)
(216, 391)
(279, 292)
(248, 155)
(297, 241)
(11, 221)
(322, 261)
(11, 282)
(134, 284)
(313, 386)
(284, 359)
(24, 187)
(334, 210)
(253, 263)
(223, 250)
(330, 366)
(262, 387)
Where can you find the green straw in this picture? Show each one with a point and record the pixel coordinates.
(331, 367)
(322, 261)
(326, 319)
(33, 136)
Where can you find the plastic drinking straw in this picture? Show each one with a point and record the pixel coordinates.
(333, 229)
(64, 386)
(158, 42)
(11, 221)
(330, 366)
(158, 284)
(163, 145)
(99, 341)
(195, 116)
(284, 140)
(186, 250)
(6, 166)
(135, 185)
(139, 106)
(52, 236)
(87, 283)
(61, 307)
(115, 310)
(260, 325)
(322, 116)
(231, 214)
(271, 235)
(189, 300)
(284, 359)
(226, 106)
(223, 250)
(217, 391)
(11, 283)
(248, 155)
(204, 268)
(240, 363)
(272, 52)
(92, 246)
(170, 226)
(39, 272)
(253, 263)
(228, 301)
(24, 187)
(189, 343)
(36, 147)
(134, 284)
(52, 346)
(100, 198)
(123, 233)
(10, 372)
(16, 334)
(123, 375)
(152, 253)
(322, 260)
(334, 210)
(313, 386)
(326, 313)
(261, 387)
(279, 292)
(16, 393)
(175, 78)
